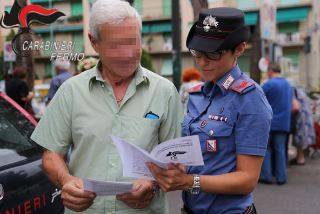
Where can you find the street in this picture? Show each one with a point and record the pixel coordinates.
(301, 193)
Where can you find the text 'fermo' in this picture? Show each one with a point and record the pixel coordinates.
(55, 46)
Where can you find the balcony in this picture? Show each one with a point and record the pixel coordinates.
(63, 24)
(290, 39)
(47, 1)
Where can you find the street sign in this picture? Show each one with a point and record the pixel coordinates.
(263, 64)
(9, 55)
(268, 15)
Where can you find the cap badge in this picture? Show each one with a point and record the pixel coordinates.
(209, 20)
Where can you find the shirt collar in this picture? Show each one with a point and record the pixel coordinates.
(234, 73)
(139, 77)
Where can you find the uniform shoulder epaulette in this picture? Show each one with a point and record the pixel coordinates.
(243, 86)
(195, 89)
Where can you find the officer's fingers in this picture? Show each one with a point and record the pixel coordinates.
(156, 170)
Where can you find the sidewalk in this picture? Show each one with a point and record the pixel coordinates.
(301, 193)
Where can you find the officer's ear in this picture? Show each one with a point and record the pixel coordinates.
(240, 49)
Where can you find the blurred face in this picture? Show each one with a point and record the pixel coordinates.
(214, 70)
(119, 47)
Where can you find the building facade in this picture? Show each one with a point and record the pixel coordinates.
(296, 19)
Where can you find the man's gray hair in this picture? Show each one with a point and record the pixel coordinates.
(62, 64)
(112, 12)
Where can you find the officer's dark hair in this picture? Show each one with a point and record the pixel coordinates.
(275, 67)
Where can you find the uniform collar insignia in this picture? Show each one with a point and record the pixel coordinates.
(209, 20)
(228, 82)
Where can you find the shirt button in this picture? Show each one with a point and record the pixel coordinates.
(113, 164)
(109, 213)
(102, 86)
(117, 115)
(109, 93)
(211, 132)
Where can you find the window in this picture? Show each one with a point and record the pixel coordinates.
(76, 8)
(79, 42)
(167, 42)
(167, 69)
(244, 63)
(138, 5)
(246, 4)
(286, 2)
(294, 56)
(15, 129)
(48, 69)
(290, 27)
(166, 7)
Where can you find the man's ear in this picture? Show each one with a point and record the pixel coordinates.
(240, 49)
(94, 43)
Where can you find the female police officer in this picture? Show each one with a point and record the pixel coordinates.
(231, 116)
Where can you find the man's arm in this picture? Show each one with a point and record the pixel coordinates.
(73, 195)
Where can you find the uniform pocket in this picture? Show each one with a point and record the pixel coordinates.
(219, 129)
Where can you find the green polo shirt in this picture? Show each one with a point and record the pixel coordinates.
(84, 112)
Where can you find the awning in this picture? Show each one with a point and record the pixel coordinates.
(167, 69)
(158, 27)
(283, 15)
(60, 29)
(145, 28)
(251, 18)
(292, 14)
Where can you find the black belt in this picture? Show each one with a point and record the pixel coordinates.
(250, 210)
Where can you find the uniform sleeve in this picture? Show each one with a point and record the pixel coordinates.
(171, 125)
(54, 129)
(253, 124)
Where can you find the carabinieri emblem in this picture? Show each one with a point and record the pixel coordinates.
(209, 20)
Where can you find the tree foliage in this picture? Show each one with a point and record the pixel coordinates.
(146, 61)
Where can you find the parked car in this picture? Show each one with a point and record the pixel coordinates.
(24, 188)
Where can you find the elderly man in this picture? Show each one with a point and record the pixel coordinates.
(115, 97)
(61, 67)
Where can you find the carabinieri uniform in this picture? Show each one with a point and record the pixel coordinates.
(231, 117)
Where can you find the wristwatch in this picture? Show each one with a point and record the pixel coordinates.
(195, 188)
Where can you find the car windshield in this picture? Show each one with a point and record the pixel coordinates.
(15, 131)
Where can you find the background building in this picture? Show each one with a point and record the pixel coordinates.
(295, 18)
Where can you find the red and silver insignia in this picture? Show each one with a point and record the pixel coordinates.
(211, 145)
(228, 82)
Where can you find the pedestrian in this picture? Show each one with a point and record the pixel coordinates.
(231, 116)
(304, 135)
(190, 78)
(17, 88)
(280, 96)
(117, 97)
(61, 67)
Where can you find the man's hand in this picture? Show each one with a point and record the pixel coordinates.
(74, 197)
(141, 195)
(173, 178)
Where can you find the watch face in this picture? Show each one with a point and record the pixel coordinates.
(195, 190)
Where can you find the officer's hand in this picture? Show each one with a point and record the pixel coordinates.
(173, 178)
(74, 197)
(141, 195)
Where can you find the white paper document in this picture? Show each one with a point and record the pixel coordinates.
(107, 188)
(185, 151)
